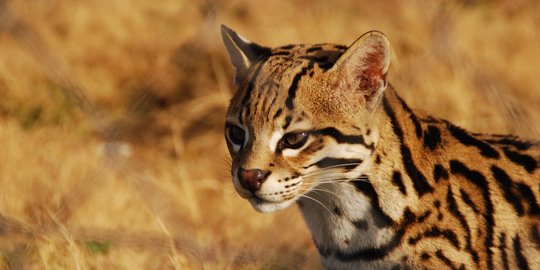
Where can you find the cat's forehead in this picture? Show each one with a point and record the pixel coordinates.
(269, 91)
(322, 55)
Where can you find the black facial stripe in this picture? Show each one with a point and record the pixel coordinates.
(277, 114)
(315, 58)
(258, 100)
(288, 120)
(342, 138)
(294, 85)
(310, 149)
(325, 62)
(267, 108)
(249, 90)
(326, 162)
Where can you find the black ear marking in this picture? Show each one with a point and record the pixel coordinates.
(243, 53)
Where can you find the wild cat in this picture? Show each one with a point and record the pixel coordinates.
(379, 185)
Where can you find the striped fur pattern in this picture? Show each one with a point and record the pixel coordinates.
(380, 186)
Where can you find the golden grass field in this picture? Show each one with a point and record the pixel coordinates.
(111, 118)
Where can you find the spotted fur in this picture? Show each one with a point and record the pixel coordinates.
(380, 186)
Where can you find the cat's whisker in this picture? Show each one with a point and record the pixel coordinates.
(333, 167)
(320, 189)
(317, 201)
(325, 173)
(340, 180)
(334, 179)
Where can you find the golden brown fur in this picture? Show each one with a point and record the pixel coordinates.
(380, 186)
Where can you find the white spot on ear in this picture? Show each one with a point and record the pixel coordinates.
(274, 139)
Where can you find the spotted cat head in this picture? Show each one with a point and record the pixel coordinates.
(302, 115)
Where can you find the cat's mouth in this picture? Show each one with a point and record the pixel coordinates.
(265, 206)
(273, 195)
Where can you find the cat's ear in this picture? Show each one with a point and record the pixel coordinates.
(364, 65)
(243, 53)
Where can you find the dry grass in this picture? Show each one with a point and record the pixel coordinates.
(111, 116)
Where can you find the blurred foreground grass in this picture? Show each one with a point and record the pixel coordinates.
(111, 116)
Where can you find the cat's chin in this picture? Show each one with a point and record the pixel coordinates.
(269, 207)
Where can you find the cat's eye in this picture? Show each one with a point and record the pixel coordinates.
(294, 140)
(236, 135)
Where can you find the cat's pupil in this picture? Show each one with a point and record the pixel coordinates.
(295, 140)
(237, 135)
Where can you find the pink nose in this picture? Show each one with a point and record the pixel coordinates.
(252, 179)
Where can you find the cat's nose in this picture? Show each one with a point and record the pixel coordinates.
(252, 180)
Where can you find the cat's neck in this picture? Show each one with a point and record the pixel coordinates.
(341, 218)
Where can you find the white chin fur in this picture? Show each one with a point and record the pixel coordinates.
(268, 207)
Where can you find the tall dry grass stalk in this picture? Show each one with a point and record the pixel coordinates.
(111, 118)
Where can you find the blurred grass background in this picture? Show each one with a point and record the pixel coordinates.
(111, 118)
